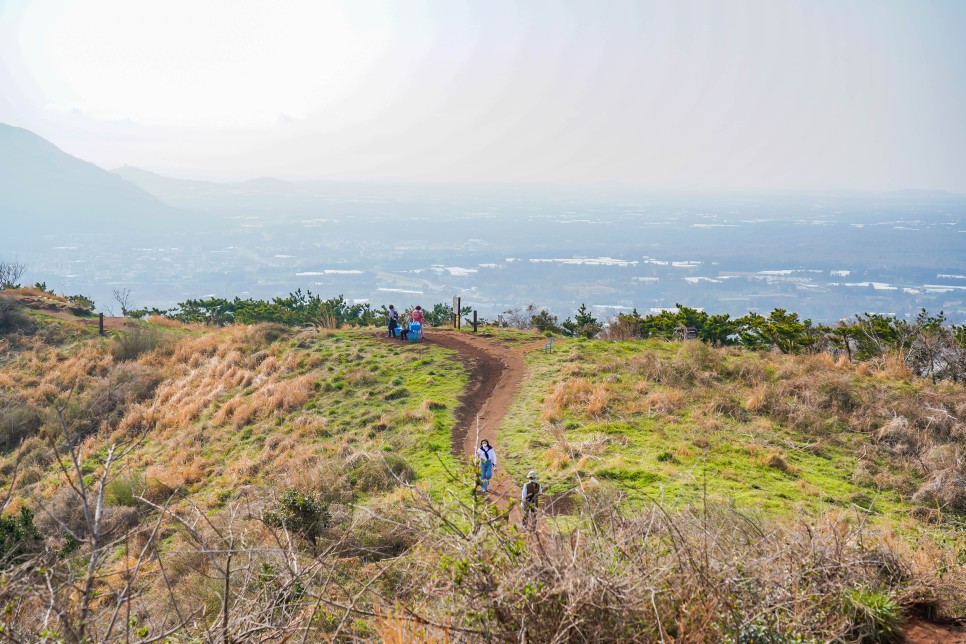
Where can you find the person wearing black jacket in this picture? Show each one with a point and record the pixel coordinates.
(530, 496)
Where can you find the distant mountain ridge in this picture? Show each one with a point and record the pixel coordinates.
(43, 187)
(264, 193)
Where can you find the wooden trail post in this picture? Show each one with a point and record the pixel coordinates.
(100, 323)
(474, 321)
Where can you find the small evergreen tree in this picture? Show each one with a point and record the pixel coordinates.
(583, 325)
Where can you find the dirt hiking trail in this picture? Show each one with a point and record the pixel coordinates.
(495, 374)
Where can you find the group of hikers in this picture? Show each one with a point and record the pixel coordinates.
(406, 326)
(530, 493)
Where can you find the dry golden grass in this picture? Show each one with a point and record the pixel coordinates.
(418, 414)
(566, 394)
(314, 361)
(571, 391)
(170, 323)
(227, 411)
(269, 366)
(571, 369)
(34, 292)
(597, 401)
(900, 435)
(244, 414)
(308, 424)
(826, 361)
(163, 478)
(242, 468)
(432, 405)
(771, 458)
(392, 627)
(556, 458)
(284, 395)
(891, 367)
(646, 365)
(779, 462)
(724, 404)
(67, 372)
(551, 412)
(664, 401)
(275, 451)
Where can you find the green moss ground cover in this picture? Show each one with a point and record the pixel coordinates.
(675, 438)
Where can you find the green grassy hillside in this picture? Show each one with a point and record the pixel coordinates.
(777, 434)
(265, 482)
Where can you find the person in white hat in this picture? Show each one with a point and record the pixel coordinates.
(530, 496)
(486, 456)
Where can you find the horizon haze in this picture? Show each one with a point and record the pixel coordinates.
(81, 228)
(691, 95)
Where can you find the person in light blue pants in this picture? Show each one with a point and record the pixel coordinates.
(486, 456)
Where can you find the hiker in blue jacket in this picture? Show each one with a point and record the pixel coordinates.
(530, 496)
(487, 458)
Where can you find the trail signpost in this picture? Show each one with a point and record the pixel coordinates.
(456, 311)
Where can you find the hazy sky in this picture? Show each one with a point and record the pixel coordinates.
(683, 94)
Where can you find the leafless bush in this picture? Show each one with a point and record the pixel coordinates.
(123, 298)
(521, 318)
(10, 273)
(620, 329)
(65, 514)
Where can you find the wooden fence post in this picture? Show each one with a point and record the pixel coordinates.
(474, 321)
(100, 323)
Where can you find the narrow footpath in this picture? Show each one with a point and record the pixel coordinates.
(495, 374)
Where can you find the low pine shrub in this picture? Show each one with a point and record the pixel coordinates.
(123, 490)
(18, 537)
(303, 514)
